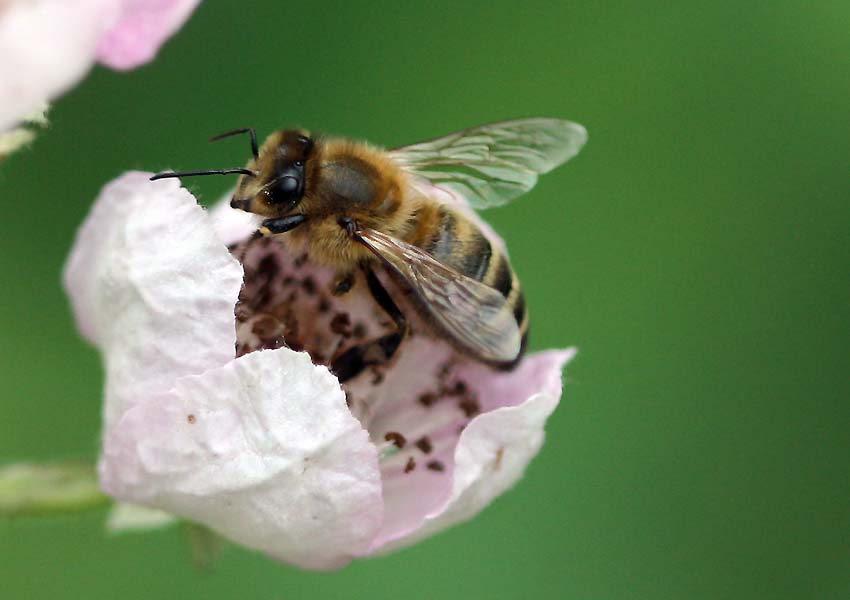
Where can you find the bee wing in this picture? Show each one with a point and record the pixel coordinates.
(475, 316)
(493, 164)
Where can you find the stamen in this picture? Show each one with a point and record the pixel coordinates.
(436, 465)
(341, 324)
(427, 399)
(424, 444)
(309, 285)
(396, 438)
(470, 406)
(284, 302)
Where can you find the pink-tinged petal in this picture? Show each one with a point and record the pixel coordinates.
(285, 301)
(153, 287)
(423, 399)
(262, 450)
(141, 28)
(537, 373)
(232, 226)
(494, 448)
(416, 483)
(46, 46)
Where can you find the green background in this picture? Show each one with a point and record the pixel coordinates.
(696, 251)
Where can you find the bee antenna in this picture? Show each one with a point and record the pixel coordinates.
(166, 174)
(249, 130)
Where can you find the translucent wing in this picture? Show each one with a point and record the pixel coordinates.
(493, 164)
(476, 317)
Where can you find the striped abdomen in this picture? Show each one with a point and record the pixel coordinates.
(459, 243)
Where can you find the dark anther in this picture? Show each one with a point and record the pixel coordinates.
(309, 285)
(469, 406)
(396, 438)
(424, 444)
(340, 324)
(427, 399)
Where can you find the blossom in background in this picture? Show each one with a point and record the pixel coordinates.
(48, 45)
(211, 415)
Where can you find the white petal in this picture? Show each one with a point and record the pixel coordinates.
(262, 450)
(47, 46)
(496, 446)
(232, 225)
(153, 287)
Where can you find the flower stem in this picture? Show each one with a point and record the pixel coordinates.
(47, 489)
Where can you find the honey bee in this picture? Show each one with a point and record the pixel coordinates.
(354, 206)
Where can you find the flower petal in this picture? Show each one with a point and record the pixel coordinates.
(262, 450)
(47, 46)
(416, 481)
(153, 287)
(495, 446)
(141, 28)
(232, 225)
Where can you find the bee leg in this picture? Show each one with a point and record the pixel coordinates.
(342, 283)
(282, 225)
(378, 351)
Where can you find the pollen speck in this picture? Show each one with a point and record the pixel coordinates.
(309, 285)
(427, 399)
(341, 324)
(191, 419)
(436, 465)
(424, 444)
(396, 438)
(469, 406)
(498, 462)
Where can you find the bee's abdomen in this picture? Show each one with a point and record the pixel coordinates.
(456, 242)
(502, 277)
(460, 244)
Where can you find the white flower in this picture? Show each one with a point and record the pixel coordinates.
(260, 444)
(48, 45)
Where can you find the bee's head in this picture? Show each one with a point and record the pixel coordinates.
(275, 180)
(281, 175)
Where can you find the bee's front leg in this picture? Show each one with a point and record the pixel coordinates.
(344, 280)
(378, 351)
(282, 225)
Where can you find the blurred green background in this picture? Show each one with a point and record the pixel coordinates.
(696, 251)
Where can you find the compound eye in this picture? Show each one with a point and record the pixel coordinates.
(289, 187)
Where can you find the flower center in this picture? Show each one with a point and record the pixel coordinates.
(414, 407)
